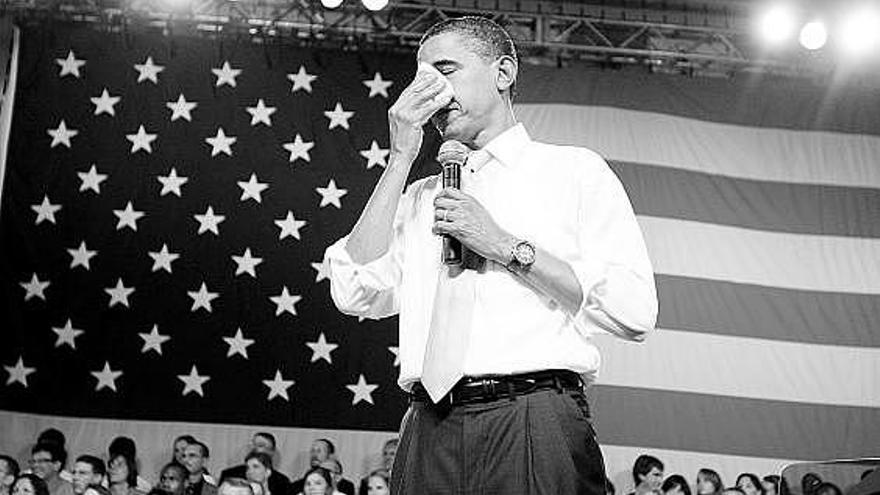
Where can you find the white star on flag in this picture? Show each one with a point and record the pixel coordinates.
(246, 263)
(142, 140)
(162, 258)
(171, 183)
(70, 65)
(104, 103)
(338, 116)
(34, 288)
(193, 382)
(18, 373)
(252, 189)
(331, 195)
(119, 294)
(202, 298)
(322, 349)
(362, 390)
(67, 334)
(301, 80)
(91, 180)
(299, 149)
(375, 155)
(45, 211)
(238, 344)
(396, 351)
(221, 143)
(148, 71)
(106, 377)
(61, 135)
(285, 302)
(226, 75)
(378, 86)
(278, 386)
(290, 226)
(181, 108)
(321, 270)
(209, 221)
(81, 256)
(261, 114)
(128, 217)
(153, 341)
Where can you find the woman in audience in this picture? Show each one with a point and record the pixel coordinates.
(29, 484)
(172, 479)
(318, 481)
(675, 485)
(771, 484)
(378, 483)
(749, 484)
(709, 482)
(259, 468)
(122, 474)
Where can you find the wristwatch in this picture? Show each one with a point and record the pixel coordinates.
(522, 256)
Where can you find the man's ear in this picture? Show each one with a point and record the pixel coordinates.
(507, 71)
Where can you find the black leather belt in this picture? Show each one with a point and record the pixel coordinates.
(471, 390)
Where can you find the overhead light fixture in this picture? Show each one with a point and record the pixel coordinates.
(374, 5)
(859, 31)
(813, 35)
(331, 4)
(777, 24)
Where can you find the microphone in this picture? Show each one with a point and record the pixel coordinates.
(451, 156)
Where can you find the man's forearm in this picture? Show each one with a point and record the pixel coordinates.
(555, 279)
(371, 235)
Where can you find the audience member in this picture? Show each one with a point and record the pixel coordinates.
(262, 442)
(318, 481)
(709, 482)
(259, 471)
(195, 458)
(675, 485)
(321, 450)
(88, 470)
(126, 446)
(29, 484)
(55, 436)
(750, 484)
(772, 484)
(47, 460)
(8, 472)
(340, 484)
(379, 482)
(178, 448)
(172, 479)
(235, 486)
(827, 488)
(389, 450)
(122, 474)
(647, 473)
(809, 483)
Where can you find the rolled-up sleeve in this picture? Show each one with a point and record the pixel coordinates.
(613, 268)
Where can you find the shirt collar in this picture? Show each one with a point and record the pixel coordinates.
(507, 147)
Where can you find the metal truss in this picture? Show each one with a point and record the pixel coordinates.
(683, 37)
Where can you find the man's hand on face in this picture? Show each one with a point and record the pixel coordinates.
(428, 92)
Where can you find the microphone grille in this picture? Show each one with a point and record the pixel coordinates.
(452, 151)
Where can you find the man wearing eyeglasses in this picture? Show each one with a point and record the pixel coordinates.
(46, 463)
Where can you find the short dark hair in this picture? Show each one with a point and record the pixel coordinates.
(268, 436)
(322, 472)
(11, 465)
(40, 486)
(713, 477)
(676, 481)
(487, 38)
(56, 451)
(643, 465)
(52, 435)
(261, 457)
(97, 464)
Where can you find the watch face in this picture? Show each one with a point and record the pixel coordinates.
(525, 253)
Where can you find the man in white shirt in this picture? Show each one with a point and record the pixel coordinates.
(495, 353)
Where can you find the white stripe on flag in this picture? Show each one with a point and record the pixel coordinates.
(774, 259)
(744, 367)
(809, 157)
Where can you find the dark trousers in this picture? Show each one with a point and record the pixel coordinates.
(539, 443)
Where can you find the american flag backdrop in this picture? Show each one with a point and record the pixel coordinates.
(167, 202)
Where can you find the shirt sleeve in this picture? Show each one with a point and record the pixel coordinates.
(368, 290)
(613, 268)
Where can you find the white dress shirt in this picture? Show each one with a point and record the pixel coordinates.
(565, 200)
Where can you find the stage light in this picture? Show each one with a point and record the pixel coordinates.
(374, 5)
(331, 4)
(859, 31)
(777, 24)
(813, 35)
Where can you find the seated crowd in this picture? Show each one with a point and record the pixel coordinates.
(186, 473)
